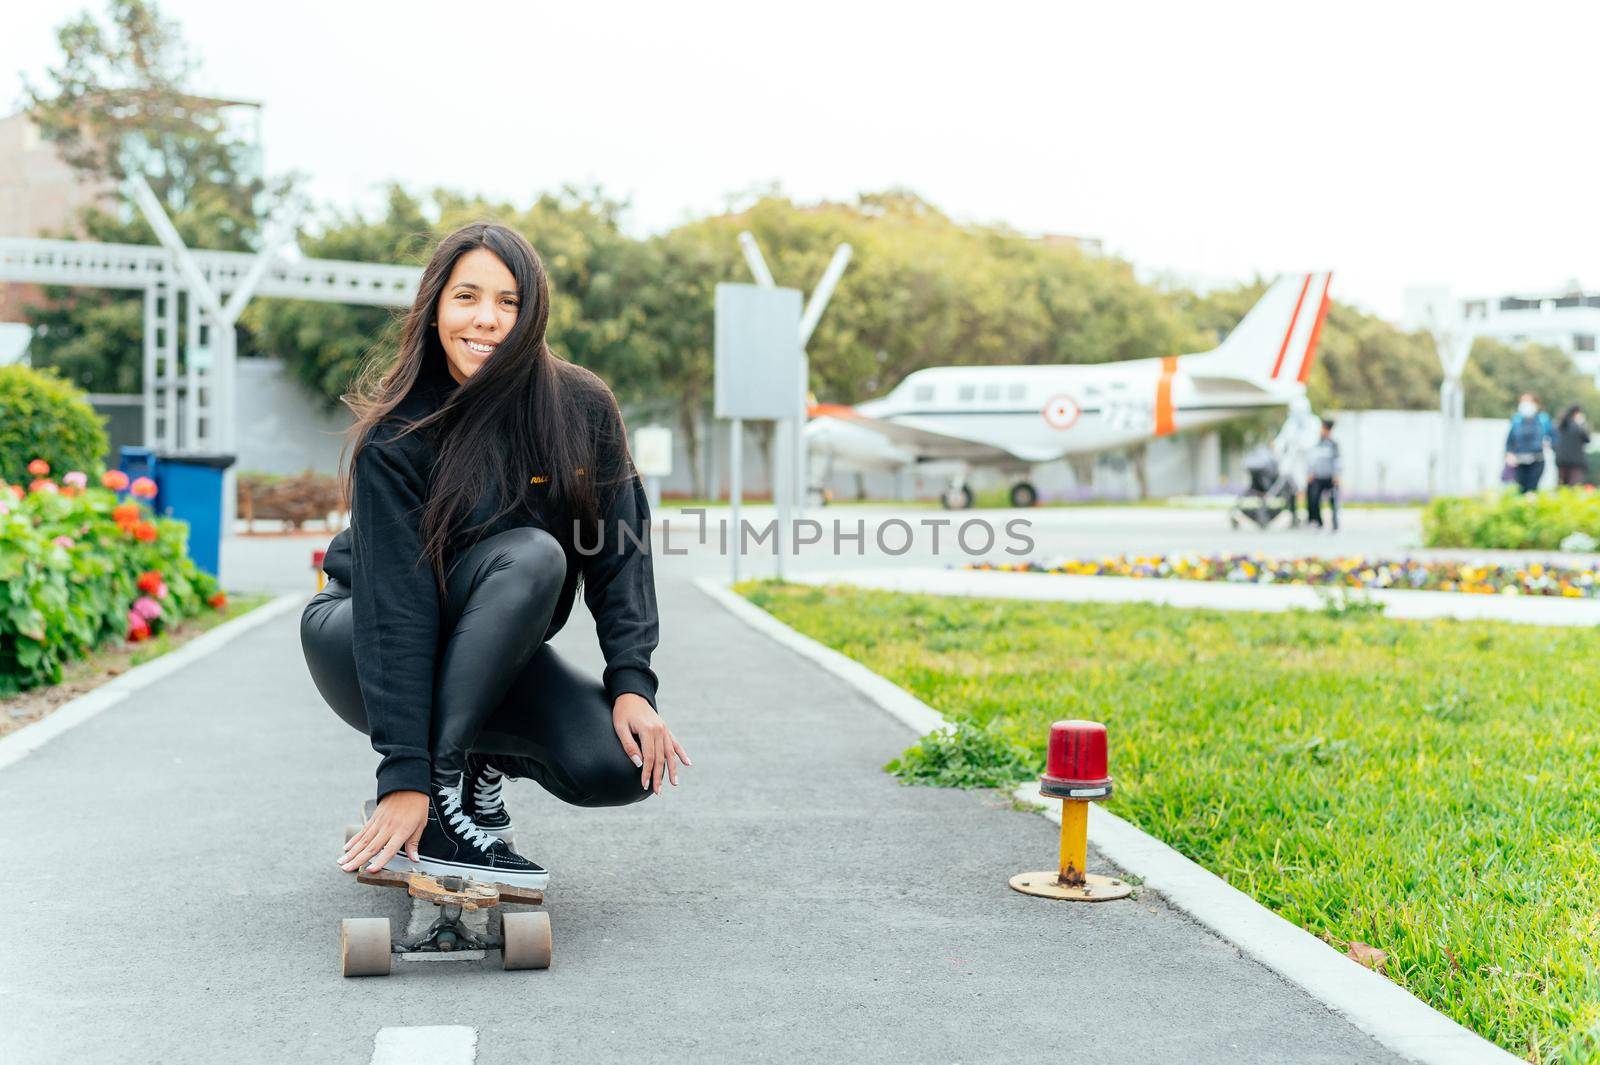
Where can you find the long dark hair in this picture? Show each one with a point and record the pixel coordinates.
(1566, 417)
(523, 412)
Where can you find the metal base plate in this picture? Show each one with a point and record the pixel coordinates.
(1047, 884)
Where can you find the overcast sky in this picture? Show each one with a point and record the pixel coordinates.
(1394, 143)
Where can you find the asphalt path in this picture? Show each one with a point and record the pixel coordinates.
(174, 894)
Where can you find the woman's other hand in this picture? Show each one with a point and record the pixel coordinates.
(397, 822)
(655, 751)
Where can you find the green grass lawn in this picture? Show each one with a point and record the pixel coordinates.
(1428, 788)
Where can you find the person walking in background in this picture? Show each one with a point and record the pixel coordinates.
(1323, 467)
(1572, 447)
(1525, 443)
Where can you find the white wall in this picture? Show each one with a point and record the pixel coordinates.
(1396, 452)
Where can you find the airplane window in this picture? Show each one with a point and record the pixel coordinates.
(1017, 391)
(922, 394)
(991, 392)
(967, 393)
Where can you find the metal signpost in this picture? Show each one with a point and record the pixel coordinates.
(1452, 338)
(757, 367)
(790, 436)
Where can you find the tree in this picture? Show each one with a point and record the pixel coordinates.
(1498, 373)
(118, 98)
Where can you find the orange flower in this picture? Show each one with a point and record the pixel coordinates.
(127, 513)
(149, 581)
(220, 600)
(115, 480)
(38, 467)
(18, 491)
(145, 488)
(44, 484)
(145, 531)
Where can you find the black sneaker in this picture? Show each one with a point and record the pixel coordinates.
(452, 845)
(480, 796)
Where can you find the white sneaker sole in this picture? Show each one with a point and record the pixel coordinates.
(437, 867)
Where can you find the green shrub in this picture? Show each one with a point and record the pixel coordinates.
(46, 417)
(1511, 519)
(967, 757)
(71, 565)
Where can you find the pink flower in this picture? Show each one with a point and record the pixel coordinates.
(5, 508)
(144, 488)
(76, 478)
(64, 541)
(138, 628)
(147, 608)
(115, 480)
(161, 590)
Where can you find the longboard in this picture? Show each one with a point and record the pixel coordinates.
(367, 945)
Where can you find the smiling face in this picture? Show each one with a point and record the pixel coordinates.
(477, 308)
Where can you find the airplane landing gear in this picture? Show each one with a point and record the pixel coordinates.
(1024, 494)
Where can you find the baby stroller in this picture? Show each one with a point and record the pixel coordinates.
(1270, 492)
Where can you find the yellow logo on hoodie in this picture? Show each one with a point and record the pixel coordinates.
(539, 479)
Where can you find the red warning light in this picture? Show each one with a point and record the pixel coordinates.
(1075, 761)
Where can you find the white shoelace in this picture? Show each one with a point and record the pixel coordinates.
(486, 789)
(450, 806)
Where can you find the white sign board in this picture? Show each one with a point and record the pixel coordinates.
(757, 353)
(652, 451)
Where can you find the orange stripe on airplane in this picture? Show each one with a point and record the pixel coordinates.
(1292, 320)
(1316, 334)
(831, 410)
(1165, 426)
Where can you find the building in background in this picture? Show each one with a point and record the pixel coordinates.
(1569, 320)
(40, 195)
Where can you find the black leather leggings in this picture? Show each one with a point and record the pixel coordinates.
(499, 690)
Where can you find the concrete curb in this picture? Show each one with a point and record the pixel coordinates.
(1210, 595)
(1390, 1014)
(30, 738)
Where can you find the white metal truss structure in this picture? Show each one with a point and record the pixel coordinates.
(189, 406)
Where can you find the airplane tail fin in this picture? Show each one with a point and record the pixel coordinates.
(1274, 345)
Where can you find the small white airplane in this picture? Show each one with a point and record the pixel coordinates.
(1013, 417)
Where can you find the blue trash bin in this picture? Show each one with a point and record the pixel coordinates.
(138, 462)
(190, 490)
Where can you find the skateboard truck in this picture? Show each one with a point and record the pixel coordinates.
(1075, 773)
(367, 947)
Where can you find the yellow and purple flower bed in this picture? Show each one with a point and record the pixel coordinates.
(1352, 572)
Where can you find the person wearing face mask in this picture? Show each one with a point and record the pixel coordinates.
(1525, 443)
(1572, 447)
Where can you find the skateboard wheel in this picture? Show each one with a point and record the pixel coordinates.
(364, 946)
(527, 937)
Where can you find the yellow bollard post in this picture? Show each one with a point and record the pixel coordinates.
(1075, 772)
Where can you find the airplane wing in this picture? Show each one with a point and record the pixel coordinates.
(930, 444)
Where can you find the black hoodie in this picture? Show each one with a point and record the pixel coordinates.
(396, 601)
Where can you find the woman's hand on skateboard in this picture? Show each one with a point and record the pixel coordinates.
(647, 741)
(397, 822)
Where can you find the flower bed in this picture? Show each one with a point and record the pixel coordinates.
(1354, 572)
(80, 565)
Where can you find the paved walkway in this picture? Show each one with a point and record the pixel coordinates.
(175, 897)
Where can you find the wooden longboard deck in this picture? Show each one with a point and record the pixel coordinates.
(474, 895)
